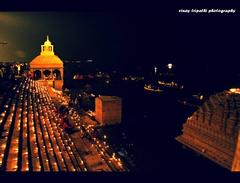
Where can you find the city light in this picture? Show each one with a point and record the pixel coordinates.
(235, 90)
(155, 69)
(170, 66)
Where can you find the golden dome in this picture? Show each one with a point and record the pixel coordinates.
(46, 61)
(47, 58)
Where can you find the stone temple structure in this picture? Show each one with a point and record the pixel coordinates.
(47, 67)
(214, 129)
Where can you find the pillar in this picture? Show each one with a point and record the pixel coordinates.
(41, 70)
(51, 74)
(61, 72)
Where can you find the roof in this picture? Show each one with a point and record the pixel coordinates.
(47, 58)
(213, 130)
(46, 61)
(109, 98)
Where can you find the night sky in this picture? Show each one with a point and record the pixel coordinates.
(205, 47)
(208, 48)
(106, 37)
(77, 36)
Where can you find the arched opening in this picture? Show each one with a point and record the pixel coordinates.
(37, 74)
(57, 74)
(47, 74)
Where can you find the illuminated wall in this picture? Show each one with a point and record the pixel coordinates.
(108, 109)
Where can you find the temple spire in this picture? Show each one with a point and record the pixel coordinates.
(47, 47)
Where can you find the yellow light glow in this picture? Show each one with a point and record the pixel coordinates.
(235, 90)
(3, 146)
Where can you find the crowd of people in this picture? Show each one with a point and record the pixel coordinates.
(65, 123)
(81, 100)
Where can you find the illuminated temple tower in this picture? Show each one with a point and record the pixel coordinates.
(214, 129)
(47, 67)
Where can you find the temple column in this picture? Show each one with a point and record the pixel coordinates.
(33, 73)
(51, 74)
(61, 72)
(41, 70)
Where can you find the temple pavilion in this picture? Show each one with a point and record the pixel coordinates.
(48, 67)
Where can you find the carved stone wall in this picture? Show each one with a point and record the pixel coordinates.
(213, 130)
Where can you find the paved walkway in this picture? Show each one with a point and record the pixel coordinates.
(31, 139)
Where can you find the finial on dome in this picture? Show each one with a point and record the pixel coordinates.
(47, 48)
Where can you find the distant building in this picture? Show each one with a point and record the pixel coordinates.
(108, 109)
(48, 67)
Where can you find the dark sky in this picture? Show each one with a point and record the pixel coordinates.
(208, 48)
(144, 34)
(75, 35)
(130, 37)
